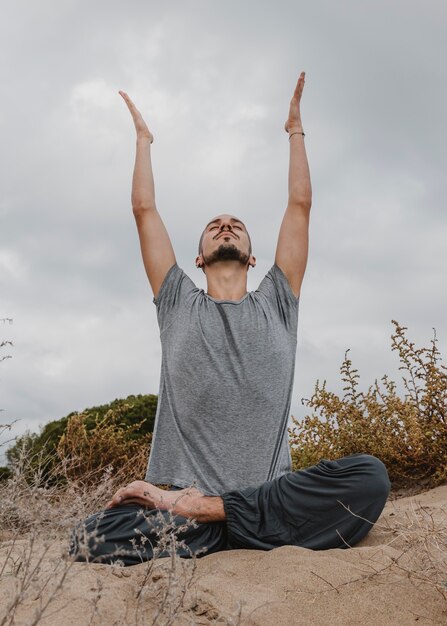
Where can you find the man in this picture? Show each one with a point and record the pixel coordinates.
(228, 360)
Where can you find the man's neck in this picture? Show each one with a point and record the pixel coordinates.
(226, 282)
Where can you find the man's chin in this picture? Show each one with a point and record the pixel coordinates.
(227, 252)
(242, 262)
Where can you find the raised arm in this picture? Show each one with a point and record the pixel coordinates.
(293, 241)
(156, 248)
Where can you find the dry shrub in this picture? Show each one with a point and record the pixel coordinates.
(32, 499)
(409, 435)
(111, 444)
(52, 491)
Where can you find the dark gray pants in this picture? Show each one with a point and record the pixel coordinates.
(333, 504)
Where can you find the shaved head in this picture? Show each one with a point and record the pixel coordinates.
(217, 220)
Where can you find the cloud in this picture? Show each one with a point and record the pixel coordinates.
(214, 82)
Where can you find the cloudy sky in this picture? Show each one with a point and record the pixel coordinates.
(214, 81)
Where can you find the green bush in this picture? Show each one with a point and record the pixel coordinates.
(85, 453)
(135, 414)
(5, 473)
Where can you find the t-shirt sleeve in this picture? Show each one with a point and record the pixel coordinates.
(278, 292)
(173, 293)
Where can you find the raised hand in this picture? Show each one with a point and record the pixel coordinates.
(140, 124)
(294, 119)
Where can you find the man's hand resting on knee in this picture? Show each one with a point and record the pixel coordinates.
(190, 502)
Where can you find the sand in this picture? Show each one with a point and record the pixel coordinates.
(397, 575)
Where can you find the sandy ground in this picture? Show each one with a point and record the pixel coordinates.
(397, 575)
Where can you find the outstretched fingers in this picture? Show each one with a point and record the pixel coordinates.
(131, 106)
(299, 86)
(140, 124)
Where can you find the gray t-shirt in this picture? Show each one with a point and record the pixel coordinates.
(226, 384)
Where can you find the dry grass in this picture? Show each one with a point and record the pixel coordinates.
(37, 573)
(422, 540)
(37, 516)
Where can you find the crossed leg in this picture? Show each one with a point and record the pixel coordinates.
(131, 533)
(333, 504)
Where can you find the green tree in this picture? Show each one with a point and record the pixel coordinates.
(137, 417)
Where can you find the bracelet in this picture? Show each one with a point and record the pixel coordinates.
(297, 132)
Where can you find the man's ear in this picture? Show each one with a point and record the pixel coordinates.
(252, 261)
(199, 261)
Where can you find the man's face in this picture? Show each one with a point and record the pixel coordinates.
(225, 238)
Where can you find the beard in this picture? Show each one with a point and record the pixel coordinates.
(226, 252)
